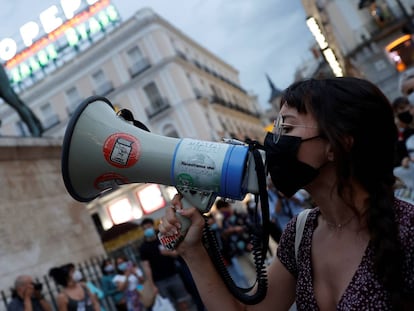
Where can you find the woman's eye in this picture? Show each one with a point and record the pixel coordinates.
(286, 128)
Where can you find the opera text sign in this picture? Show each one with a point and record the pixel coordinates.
(58, 34)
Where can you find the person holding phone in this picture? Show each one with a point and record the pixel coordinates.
(27, 295)
(127, 280)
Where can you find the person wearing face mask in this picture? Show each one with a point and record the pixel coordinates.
(405, 173)
(406, 84)
(127, 280)
(161, 262)
(235, 235)
(75, 295)
(108, 286)
(403, 120)
(335, 138)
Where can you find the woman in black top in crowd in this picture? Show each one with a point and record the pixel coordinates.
(74, 295)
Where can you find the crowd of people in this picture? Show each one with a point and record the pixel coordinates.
(404, 158)
(123, 281)
(129, 285)
(403, 108)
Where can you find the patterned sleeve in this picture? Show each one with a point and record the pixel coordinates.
(406, 222)
(286, 247)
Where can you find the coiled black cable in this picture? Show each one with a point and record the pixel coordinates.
(260, 240)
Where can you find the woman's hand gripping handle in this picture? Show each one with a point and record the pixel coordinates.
(177, 222)
(174, 225)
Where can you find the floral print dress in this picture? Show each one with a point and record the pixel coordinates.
(364, 292)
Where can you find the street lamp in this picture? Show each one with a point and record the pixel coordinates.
(327, 52)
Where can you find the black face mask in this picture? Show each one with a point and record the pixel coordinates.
(405, 117)
(288, 174)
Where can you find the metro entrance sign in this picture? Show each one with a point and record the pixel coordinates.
(83, 22)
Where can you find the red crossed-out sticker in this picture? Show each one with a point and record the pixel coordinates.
(122, 150)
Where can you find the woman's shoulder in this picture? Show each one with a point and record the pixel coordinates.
(290, 229)
(62, 297)
(286, 248)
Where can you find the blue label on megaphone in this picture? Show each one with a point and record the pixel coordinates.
(210, 166)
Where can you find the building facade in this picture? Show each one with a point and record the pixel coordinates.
(41, 225)
(369, 39)
(168, 81)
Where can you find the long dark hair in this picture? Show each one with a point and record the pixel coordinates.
(61, 274)
(357, 119)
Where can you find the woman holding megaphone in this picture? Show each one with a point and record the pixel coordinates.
(334, 138)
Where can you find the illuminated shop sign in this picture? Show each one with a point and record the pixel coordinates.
(151, 198)
(327, 52)
(400, 52)
(60, 28)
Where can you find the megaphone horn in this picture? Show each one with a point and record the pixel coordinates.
(101, 150)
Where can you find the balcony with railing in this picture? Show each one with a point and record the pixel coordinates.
(181, 54)
(197, 92)
(157, 107)
(217, 75)
(50, 121)
(139, 67)
(215, 99)
(386, 18)
(104, 88)
(74, 103)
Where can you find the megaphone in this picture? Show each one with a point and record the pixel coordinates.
(102, 150)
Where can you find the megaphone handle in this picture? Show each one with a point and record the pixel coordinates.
(202, 200)
(171, 241)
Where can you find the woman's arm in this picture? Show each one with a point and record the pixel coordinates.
(45, 304)
(213, 291)
(62, 302)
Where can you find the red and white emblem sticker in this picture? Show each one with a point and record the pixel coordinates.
(122, 150)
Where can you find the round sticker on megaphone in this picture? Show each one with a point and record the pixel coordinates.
(122, 150)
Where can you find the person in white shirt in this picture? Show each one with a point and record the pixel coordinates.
(128, 280)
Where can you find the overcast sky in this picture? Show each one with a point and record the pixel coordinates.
(254, 36)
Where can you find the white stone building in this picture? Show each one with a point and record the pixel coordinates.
(365, 38)
(171, 83)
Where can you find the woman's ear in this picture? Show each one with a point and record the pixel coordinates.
(348, 142)
(331, 156)
(329, 153)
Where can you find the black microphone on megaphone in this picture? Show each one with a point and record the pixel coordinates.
(102, 150)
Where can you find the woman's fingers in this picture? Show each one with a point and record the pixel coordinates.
(169, 224)
(176, 201)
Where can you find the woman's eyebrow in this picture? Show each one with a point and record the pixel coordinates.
(287, 117)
